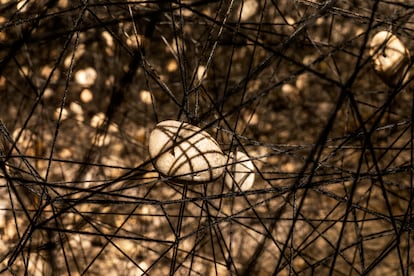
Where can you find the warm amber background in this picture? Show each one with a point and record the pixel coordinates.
(83, 82)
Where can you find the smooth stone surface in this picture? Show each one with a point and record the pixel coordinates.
(390, 58)
(185, 152)
(240, 170)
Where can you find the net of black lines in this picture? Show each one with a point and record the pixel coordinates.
(297, 95)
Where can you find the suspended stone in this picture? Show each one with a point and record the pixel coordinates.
(240, 172)
(390, 58)
(185, 152)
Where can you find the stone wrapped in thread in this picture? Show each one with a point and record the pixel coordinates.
(185, 152)
(390, 58)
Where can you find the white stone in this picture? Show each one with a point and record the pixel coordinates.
(86, 77)
(201, 73)
(185, 152)
(142, 267)
(63, 4)
(22, 6)
(249, 9)
(86, 96)
(61, 113)
(390, 58)
(76, 108)
(108, 38)
(73, 57)
(288, 89)
(98, 120)
(50, 72)
(240, 172)
(3, 212)
(145, 97)
(48, 93)
(101, 140)
(172, 66)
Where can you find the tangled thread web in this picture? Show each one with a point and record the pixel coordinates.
(288, 83)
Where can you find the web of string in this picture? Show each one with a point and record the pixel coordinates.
(304, 177)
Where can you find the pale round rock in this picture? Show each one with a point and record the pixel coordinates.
(249, 9)
(86, 77)
(390, 58)
(86, 96)
(185, 152)
(240, 168)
